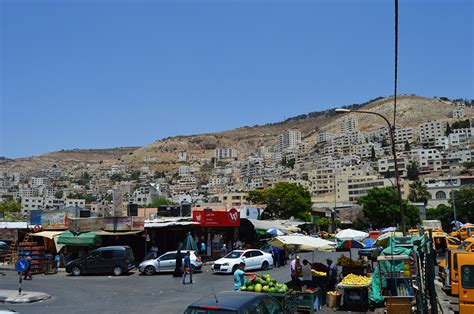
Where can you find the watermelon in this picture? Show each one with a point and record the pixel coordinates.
(265, 288)
(243, 288)
(272, 290)
(258, 288)
(250, 288)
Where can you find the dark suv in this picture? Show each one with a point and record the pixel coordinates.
(117, 260)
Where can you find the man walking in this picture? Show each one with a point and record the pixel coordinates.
(239, 279)
(294, 268)
(276, 257)
(187, 268)
(331, 274)
(28, 269)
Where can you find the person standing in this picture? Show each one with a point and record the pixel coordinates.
(154, 250)
(187, 268)
(239, 279)
(223, 250)
(57, 260)
(276, 257)
(331, 274)
(282, 255)
(294, 268)
(306, 272)
(178, 268)
(27, 273)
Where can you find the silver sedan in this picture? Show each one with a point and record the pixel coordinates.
(167, 263)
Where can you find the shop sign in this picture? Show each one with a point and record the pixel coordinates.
(138, 223)
(217, 219)
(53, 220)
(118, 223)
(78, 225)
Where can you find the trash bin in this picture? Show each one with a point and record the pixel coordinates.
(333, 299)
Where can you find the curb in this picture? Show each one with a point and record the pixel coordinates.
(38, 296)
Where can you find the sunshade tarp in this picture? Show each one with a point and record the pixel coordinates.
(81, 239)
(47, 234)
(351, 234)
(275, 224)
(304, 243)
(119, 233)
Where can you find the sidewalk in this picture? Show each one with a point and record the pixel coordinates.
(11, 296)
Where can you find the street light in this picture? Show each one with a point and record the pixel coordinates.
(394, 154)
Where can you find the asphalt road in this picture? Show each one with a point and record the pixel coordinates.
(127, 294)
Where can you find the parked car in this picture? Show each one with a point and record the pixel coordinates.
(167, 263)
(117, 260)
(236, 302)
(253, 259)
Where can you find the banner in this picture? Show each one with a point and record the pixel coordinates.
(53, 220)
(78, 225)
(118, 223)
(138, 223)
(217, 219)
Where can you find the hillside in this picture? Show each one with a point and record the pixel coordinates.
(162, 154)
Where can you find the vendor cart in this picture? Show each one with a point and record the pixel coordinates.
(355, 298)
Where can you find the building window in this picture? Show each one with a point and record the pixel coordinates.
(440, 195)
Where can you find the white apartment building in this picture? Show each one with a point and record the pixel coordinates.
(145, 195)
(402, 135)
(39, 181)
(322, 181)
(116, 169)
(468, 131)
(458, 109)
(39, 203)
(364, 150)
(464, 155)
(290, 139)
(183, 155)
(184, 170)
(348, 124)
(225, 153)
(324, 137)
(350, 188)
(346, 139)
(430, 130)
(386, 166)
(425, 157)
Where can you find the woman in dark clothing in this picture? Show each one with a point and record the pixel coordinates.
(178, 270)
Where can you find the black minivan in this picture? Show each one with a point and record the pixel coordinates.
(117, 260)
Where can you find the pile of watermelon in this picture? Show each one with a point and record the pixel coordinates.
(264, 284)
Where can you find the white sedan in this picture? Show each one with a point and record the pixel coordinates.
(253, 259)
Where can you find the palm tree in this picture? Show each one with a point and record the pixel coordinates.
(419, 192)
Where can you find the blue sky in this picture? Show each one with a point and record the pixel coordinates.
(97, 74)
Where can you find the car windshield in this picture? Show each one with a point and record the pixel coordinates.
(205, 310)
(464, 245)
(234, 254)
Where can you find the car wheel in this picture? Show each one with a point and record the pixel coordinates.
(149, 270)
(76, 271)
(265, 265)
(234, 268)
(117, 271)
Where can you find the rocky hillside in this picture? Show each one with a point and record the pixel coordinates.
(162, 154)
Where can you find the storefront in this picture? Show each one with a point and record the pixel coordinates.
(167, 232)
(217, 228)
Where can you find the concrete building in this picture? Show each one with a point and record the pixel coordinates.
(230, 199)
(324, 137)
(183, 155)
(290, 139)
(430, 130)
(350, 188)
(225, 153)
(39, 181)
(322, 181)
(458, 109)
(348, 124)
(386, 167)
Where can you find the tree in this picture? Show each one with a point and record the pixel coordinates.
(84, 179)
(59, 194)
(407, 146)
(116, 177)
(160, 201)
(9, 206)
(413, 171)
(135, 175)
(372, 154)
(323, 223)
(285, 200)
(448, 129)
(419, 192)
(443, 213)
(381, 207)
(464, 201)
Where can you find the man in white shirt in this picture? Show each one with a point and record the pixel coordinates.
(306, 271)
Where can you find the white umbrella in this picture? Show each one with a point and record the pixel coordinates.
(351, 234)
(298, 242)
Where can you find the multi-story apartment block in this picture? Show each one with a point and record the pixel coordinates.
(230, 199)
(348, 124)
(364, 150)
(225, 153)
(183, 155)
(39, 181)
(349, 188)
(386, 166)
(430, 130)
(468, 131)
(401, 135)
(458, 109)
(290, 139)
(184, 170)
(324, 137)
(40, 203)
(322, 181)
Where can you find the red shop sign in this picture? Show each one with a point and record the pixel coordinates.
(217, 219)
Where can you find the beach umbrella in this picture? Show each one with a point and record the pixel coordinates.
(301, 242)
(189, 244)
(369, 242)
(275, 232)
(351, 234)
(350, 244)
(389, 229)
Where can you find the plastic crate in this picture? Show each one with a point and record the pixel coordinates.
(356, 299)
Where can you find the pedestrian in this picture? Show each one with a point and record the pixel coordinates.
(187, 268)
(203, 248)
(282, 256)
(247, 245)
(294, 268)
(331, 274)
(27, 272)
(276, 257)
(306, 272)
(57, 260)
(223, 250)
(154, 250)
(239, 279)
(178, 267)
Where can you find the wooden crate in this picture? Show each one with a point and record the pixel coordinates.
(398, 305)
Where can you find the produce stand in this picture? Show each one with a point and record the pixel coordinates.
(355, 298)
(309, 300)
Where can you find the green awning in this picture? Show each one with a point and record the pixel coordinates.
(80, 239)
